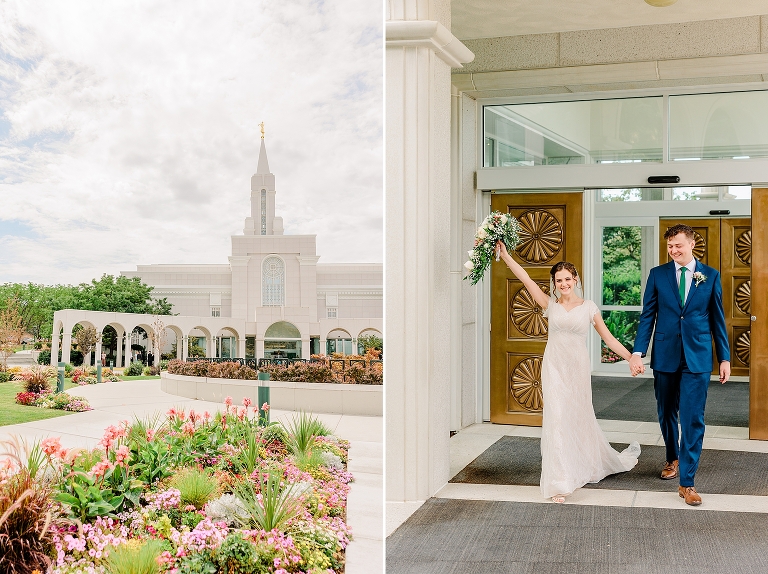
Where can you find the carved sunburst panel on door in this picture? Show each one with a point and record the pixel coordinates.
(700, 247)
(525, 383)
(541, 236)
(742, 346)
(743, 247)
(743, 295)
(525, 315)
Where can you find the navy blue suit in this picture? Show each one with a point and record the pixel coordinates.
(682, 356)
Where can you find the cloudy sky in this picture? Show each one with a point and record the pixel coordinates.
(129, 131)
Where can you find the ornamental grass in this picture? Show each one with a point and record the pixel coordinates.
(187, 492)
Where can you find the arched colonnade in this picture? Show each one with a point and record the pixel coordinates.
(124, 324)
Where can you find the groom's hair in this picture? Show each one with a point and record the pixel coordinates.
(679, 228)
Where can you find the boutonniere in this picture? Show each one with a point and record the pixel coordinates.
(699, 277)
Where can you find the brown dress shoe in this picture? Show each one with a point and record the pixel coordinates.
(689, 494)
(670, 470)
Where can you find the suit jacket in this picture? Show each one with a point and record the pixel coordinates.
(687, 329)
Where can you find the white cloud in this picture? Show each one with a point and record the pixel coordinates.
(129, 131)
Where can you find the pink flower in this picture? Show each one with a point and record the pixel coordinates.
(241, 412)
(150, 434)
(265, 407)
(51, 446)
(122, 455)
(228, 401)
(206, 416)
(188, 427)
(100, 468)
(246, 402)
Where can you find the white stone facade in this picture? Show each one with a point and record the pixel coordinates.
(271, 278)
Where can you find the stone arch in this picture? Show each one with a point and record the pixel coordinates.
(339, 340)
(282, 340)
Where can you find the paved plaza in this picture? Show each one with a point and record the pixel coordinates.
(486, 527)
(115, 402)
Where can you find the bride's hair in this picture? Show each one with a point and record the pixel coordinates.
(571, 268)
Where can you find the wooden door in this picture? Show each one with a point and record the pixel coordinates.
(552, 231)
(735, 273)
(757, 247)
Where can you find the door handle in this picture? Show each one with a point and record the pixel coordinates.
(753, 318)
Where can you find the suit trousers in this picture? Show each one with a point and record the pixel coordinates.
(685, 393)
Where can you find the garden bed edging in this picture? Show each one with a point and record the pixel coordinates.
(333, 398)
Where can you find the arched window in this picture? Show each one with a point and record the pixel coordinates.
(273, 282)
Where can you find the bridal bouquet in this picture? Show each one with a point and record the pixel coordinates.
(496, 227)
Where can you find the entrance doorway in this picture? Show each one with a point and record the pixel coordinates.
(551, 231)
(725, 244)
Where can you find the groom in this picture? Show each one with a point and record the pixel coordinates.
(684, 299)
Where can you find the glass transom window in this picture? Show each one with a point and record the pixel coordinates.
(558, 133)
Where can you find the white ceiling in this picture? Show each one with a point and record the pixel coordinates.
(493, 18)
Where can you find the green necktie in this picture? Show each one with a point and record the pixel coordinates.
(682, 285)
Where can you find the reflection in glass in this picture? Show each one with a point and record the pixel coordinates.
(623, 325)
(723, 193)
(557, 133)
(621, 265)
(718, 126)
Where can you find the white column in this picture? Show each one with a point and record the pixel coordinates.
(305, 348)
(55, 347)
(241, 348)
(98, 353)
(119, 350)
(66, 346)
(184, 347)
(259, 348)
(420, 53)
(127, 348)
(323, 346)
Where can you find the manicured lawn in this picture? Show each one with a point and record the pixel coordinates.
(11, 413)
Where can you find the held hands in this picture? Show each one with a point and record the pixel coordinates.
(636, 366)
(725, 371)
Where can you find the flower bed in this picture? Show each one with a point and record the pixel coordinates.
(349, 369)
(192, 493)
(37, 391)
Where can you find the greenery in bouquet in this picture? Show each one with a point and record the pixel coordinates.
(496, 227)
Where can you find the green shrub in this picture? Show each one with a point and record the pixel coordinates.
(130, 558)
(238, 556)
(44, 358)
(275, 432)
(68, 368)
(196, 486)
(39, 345)
(5, 376)
(278, 505)
(164, 364)
(134, 369)
(302, 432)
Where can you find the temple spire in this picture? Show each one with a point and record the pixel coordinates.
(263, 167)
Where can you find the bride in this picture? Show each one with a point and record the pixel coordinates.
(574, 450)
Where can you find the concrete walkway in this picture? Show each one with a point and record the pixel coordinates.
(115, 402)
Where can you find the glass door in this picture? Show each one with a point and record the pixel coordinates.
(625, 255)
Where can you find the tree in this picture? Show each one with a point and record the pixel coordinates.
(371, 342)
(11, 329)
(86, 339)
(158, 336)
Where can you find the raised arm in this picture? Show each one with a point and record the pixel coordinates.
(533, 288)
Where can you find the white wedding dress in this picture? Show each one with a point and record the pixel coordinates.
(574, 450)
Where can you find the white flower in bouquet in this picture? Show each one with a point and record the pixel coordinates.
(496, 227)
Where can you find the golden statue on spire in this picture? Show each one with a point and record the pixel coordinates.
(261, 125)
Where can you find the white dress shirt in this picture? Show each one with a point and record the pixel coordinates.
(689, 270)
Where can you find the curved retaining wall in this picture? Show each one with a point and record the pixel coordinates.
(361, 400)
